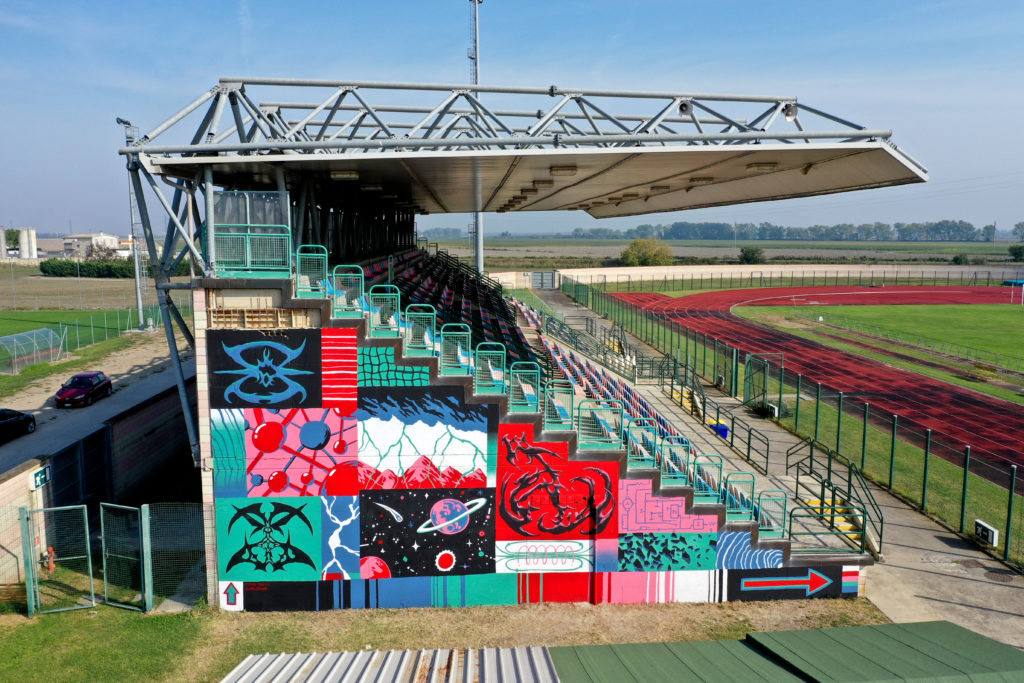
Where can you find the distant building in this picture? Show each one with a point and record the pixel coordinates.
(85, 245)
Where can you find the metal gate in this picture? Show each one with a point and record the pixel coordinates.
(544, 280)
(123, 573)
(58, 562)
(755, 383)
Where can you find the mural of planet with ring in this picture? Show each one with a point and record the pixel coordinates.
(450, 516)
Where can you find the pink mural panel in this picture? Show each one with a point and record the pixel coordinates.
(641, 512)
(293, 452)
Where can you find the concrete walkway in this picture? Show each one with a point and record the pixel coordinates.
(927, 573)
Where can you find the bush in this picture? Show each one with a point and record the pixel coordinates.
(54, 267)
(960, 260)
(647, 252)
(57, 267)
(751, 255)
(1017, 252)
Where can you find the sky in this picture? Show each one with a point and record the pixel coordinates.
(946, 77)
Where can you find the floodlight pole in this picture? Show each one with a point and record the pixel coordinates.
(478, 217)
(131, 133)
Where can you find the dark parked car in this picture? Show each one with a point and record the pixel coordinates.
(15, 423)
(83, 389)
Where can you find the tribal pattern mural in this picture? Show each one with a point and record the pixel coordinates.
(345, 480)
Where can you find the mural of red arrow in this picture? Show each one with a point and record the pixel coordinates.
(232, 594)
(812, 583)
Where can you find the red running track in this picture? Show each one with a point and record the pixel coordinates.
(956, 416)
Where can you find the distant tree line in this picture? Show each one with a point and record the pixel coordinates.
(443, 234)
(939, 231)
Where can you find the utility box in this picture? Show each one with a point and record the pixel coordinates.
(986, 533)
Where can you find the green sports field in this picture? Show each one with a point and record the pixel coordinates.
(993, 328)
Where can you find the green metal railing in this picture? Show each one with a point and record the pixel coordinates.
(524, 388)
(253, 250)
(738, 496)
(771, 513)
(489, 376)
(599, 424)
(348, 288)
(641, 441)
(311, 271)
(385, 316)
(707, 478)
(420, 332)
(674, 457)
(820, 513)
(559, 397)
(456, 349)
(836, 480)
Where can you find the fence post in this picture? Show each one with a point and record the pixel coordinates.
(927, 458)
(799, 386)
(963, 493)
(1009, 513)
(734, 386)
(864, 438)
(28, 556)
(782, 378)
(817, 411)
(147, 561)
(892, 448)
(839, 422)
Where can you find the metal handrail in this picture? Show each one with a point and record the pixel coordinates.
(830, 475)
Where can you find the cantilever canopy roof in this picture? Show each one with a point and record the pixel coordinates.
(457, 155)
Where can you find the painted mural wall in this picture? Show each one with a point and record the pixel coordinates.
(345, 480)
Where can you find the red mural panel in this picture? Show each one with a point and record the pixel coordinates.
(560, 587)
(544, 495)
(340, 368)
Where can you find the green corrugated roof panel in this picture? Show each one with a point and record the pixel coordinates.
(933, 651)
(726, 661)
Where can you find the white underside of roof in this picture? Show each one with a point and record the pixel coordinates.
(660, 177)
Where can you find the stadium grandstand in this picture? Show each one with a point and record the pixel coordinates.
(381, 425)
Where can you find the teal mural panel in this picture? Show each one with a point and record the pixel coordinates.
(377, 368)
(227, 436)
(473, 590)
(269, 539)
(667, 552)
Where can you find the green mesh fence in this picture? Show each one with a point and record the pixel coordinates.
(310, 271)
(558, 405)
(177, 552)
(347, 288)
(384, 302)
(58, 562)
(456, 349)
(420, 330)
(489, 376)
(121, 531)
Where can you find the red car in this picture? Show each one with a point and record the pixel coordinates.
(83, 389)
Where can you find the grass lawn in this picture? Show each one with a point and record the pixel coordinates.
(108, 644)
(994, 328)
(13, 322)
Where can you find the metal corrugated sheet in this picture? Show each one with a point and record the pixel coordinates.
(425, 666)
